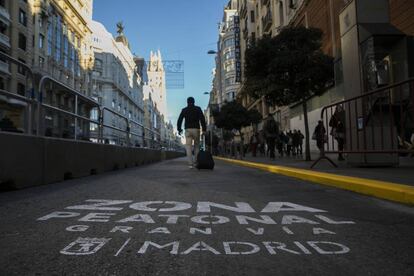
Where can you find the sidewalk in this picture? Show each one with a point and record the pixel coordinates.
(404, 174)
(395, 184)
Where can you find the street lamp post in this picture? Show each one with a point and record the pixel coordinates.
(211, 126)
(218, 71)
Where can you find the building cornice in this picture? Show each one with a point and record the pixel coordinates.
(85, 28)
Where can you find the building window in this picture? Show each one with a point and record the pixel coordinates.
(41, 41)
(98, 66)
(72, 57)
(229, 55)
(22, 17)
(65, 52)
(49, 39)
(229, 42)
(21, 69)
(77, 66)
(252, 18)
(22, 41)
(2, 84)
(21, 89)
(58, 40)
(113, 103)
(3, 28)
(229, 81)
(230, 96)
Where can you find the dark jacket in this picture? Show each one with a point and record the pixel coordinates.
(271, 129)
(193, 117)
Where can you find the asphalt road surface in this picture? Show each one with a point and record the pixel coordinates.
(166, 219)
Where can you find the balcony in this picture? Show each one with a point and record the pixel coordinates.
(44, 7)
(265, 2)
(4, 40)
(4, 68)
(4, 16)
(267, 21)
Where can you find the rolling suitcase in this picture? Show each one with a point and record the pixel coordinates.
(205, 160)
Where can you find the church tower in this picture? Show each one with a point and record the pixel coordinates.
(156, 81)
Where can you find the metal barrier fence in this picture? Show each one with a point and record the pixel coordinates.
(377, 122)
(37, 110)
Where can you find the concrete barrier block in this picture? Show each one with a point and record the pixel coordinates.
(30, 161)
(21, 160)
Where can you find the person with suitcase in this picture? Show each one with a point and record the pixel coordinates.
(193, 117)
(205, 159)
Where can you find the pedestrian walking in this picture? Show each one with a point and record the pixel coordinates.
(193, 117)
(261, 143)
(254, 141)
(337, 124)
(301, 137)
(340, 138)
(319, 134)
(295, 139)
(271, 129)
(289, 142)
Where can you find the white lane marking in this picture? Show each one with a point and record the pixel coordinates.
(122, 247)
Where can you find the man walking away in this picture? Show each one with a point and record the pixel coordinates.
(193, 118)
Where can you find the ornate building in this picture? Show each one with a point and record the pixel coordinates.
(156, 80)
(117, 84)
(53, 38)
(155, 100)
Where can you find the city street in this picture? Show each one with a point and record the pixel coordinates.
(166, 219)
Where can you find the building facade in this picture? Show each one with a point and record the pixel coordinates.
(156, 80)
(58, 39)
(226, 84)
(117, 85)
(266, 17)
(155, 101)
(53, 38)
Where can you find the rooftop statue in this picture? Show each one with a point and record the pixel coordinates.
(120, 28)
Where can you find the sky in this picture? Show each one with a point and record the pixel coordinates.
(181, 29)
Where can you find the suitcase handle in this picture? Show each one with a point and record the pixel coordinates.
(203, 141)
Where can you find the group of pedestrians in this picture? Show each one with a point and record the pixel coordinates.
(271, 139)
